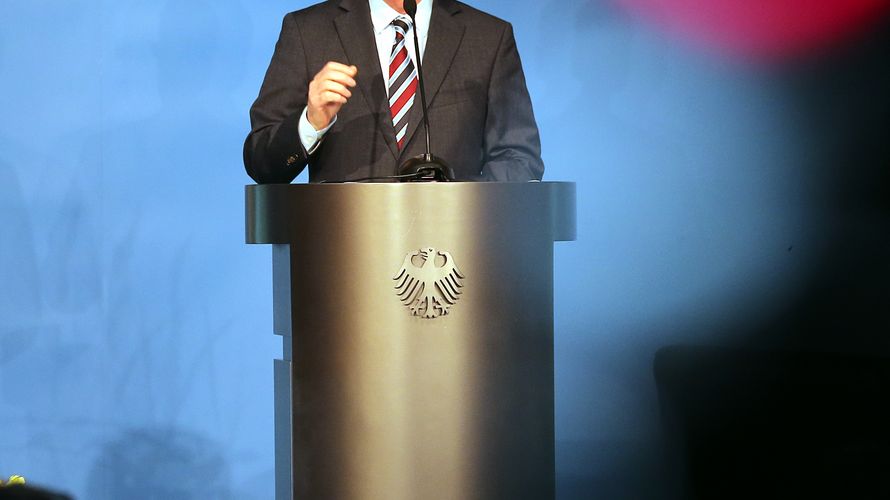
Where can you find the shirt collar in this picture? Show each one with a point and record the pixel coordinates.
(382, 15)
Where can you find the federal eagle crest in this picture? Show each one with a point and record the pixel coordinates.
(429, 282)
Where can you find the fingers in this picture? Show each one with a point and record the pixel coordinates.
(342, 68)
(340, 77)
(340, 73)
(327, 92)
(335, 87)
(332, 97)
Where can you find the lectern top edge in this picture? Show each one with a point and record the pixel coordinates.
(273, 210)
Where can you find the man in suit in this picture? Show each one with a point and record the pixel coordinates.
(341, 95)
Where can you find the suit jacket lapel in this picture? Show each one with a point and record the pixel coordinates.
(357, 37)
(442, 43)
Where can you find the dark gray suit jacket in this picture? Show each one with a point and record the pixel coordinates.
(481, 116)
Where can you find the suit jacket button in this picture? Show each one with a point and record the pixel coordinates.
(291, 159)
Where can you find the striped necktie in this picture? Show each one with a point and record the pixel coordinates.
(402, 82)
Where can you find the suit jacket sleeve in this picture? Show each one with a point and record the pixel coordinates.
(512, 143)
(273, 152)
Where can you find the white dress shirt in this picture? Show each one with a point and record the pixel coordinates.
(382, 16)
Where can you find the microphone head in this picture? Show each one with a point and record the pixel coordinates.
(410, 7)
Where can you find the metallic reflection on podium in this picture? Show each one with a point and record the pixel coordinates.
(418, 337)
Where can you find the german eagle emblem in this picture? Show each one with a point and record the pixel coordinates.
(429, 283)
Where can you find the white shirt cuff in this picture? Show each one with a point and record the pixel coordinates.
(310, 137)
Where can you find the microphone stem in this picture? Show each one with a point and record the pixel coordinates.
(426, 119)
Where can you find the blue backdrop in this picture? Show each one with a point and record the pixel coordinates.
(135, 326)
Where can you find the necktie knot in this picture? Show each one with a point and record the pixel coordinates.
(401, 26)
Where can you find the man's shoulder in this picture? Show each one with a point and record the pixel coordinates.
(319, 10)
(472, 15)
(472, 12)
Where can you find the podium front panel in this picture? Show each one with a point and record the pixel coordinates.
(418, 325)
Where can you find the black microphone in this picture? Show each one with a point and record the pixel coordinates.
(425, 167)
(410, 7)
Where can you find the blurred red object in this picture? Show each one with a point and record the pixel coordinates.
(763, 29)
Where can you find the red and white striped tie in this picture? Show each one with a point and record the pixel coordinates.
(402, 82)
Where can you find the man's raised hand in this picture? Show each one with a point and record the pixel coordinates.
(328, 92)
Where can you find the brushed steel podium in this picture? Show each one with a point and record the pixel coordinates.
(418, 337)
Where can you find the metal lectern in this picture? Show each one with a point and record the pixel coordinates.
(418, 337)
